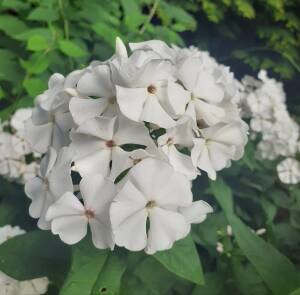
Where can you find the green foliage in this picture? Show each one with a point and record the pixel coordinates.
(274, 268)
(41, 37)
(183, 261)
(34, 255)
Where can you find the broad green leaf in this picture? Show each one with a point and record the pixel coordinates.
(222, 193)
(37, 43)
(33, 255)
(183, 260)
(43, 14)
(275, 269)
(71, 49)
(296, 292)
(34, 86)
(109, 279)
(214, 285)
(11, 25)
(87, 263)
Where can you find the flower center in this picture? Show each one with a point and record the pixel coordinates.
(89, 213)
(150, 204)
(151, 89)
(136, 161)
(170, 141)
(112, 100)
(110, 144)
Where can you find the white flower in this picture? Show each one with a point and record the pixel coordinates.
(206, 94)
(69, 217)
(145, 88)
(264, 102)
(95, 82)
(220, 248)
(153, 190)
(8, 231)
(8, 285)
(98, 141)
(10, 161)
(17, 121)
(51, 120)
(289, 171)
(220, 144)
(179, 136)
(54, 180)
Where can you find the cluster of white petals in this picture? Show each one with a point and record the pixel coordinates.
(14, 149)
(264, 102)
(11, 286)
(123, 140)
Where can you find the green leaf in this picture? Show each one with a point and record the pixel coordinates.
(33, 255)
(296, 292)
(214, 285)
(245, 8)
(133, 15)
(275, 269)
(183, 260)
(36, 64)
(11, 25)
(87, 263)
(109, 279)
(71, 49)
(43, 14)
(15, 4)
(37, 43)
(10, 69)
(34, 86)
(108, 33)
(222, 193)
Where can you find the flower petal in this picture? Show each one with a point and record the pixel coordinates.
(166, 227)
(197, 212)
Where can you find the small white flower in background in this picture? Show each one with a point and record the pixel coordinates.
(10, 286)
(260, 231)
(17, 121)
(220, 248)
(8, 231)
(264, 102)
(14, 148)
(229, 230)
(52, 182)
(69, 217)
(289, 171)
(154, 190)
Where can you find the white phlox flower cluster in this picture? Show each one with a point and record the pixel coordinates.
(14, 148)
(11, 286)
(134, 131)
(264, 102)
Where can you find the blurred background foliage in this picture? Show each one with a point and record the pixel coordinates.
(40, 37)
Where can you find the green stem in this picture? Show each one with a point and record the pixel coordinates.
(150, 16)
